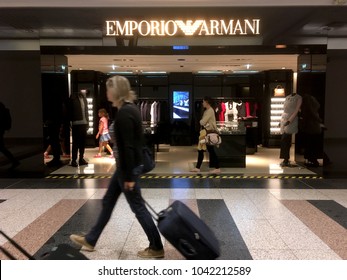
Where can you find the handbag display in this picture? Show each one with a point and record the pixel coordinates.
(279, 91)
(212, 138)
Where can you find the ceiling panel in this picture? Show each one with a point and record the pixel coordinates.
(81, 23)
(181, 63)
(167, 3)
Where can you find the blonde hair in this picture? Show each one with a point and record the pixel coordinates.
(120, 89)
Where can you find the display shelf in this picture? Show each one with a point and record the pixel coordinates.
(90, 130)
(276, 111)
(232, 127)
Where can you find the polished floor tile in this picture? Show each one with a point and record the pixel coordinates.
(177, 160)
(254, 215)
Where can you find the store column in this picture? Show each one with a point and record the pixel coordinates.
(335, 137)
(20, 85)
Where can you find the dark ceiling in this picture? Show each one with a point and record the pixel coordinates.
(278, 24)
(304, 29)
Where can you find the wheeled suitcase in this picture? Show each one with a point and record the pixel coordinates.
(64, 252)
(60, 252)
(187, 232)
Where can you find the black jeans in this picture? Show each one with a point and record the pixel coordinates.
(286, 142)
(213, 160)
(312, 147)
(134, 198)
(79, 135)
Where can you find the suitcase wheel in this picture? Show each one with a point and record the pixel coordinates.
(186, 248)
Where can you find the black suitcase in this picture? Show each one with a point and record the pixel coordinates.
(187, 232)
(60, 252)
(64, 252)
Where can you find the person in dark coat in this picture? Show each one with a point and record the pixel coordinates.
(311, 126)
(129, 143)
(78, 112)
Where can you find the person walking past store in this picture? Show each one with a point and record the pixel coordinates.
(289, 125)
(129, 142)
(208, 123)
(78, 112)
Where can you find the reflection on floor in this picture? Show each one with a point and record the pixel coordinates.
(181, 159)
(286, 218)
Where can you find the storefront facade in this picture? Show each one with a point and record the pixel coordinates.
(155, 30)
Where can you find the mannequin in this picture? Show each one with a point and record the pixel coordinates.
(235, 111)
(289, 125)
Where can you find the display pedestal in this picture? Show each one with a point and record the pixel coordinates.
(232, 151)
(251, 140)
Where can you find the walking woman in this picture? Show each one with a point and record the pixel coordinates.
(129, 142)
(208, 122)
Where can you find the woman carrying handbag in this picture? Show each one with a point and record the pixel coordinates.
(208, 122)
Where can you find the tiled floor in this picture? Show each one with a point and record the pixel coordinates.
(255, 217)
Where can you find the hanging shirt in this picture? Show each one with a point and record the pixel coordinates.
(222, 112)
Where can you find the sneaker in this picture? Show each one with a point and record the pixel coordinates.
(82, 162)
(215, 171)
(149, 253)
(195, 170)
(97, 156)
(284, 163)
(81, 240)
(73, 163)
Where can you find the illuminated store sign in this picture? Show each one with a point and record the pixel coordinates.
(180, 27)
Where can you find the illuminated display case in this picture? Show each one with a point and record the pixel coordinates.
(278, 84)
(232, 151)
(90, 130)
(233, 127)
(276, 110)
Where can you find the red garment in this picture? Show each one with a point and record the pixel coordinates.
(248, 110)
(222, 112)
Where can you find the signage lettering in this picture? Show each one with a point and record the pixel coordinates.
(179, 27)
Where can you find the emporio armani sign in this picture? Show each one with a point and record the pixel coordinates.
(180, 27)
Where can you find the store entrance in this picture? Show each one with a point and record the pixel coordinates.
(174, 134)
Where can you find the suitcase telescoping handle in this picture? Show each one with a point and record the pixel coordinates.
(15, 244)
(153, 213)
